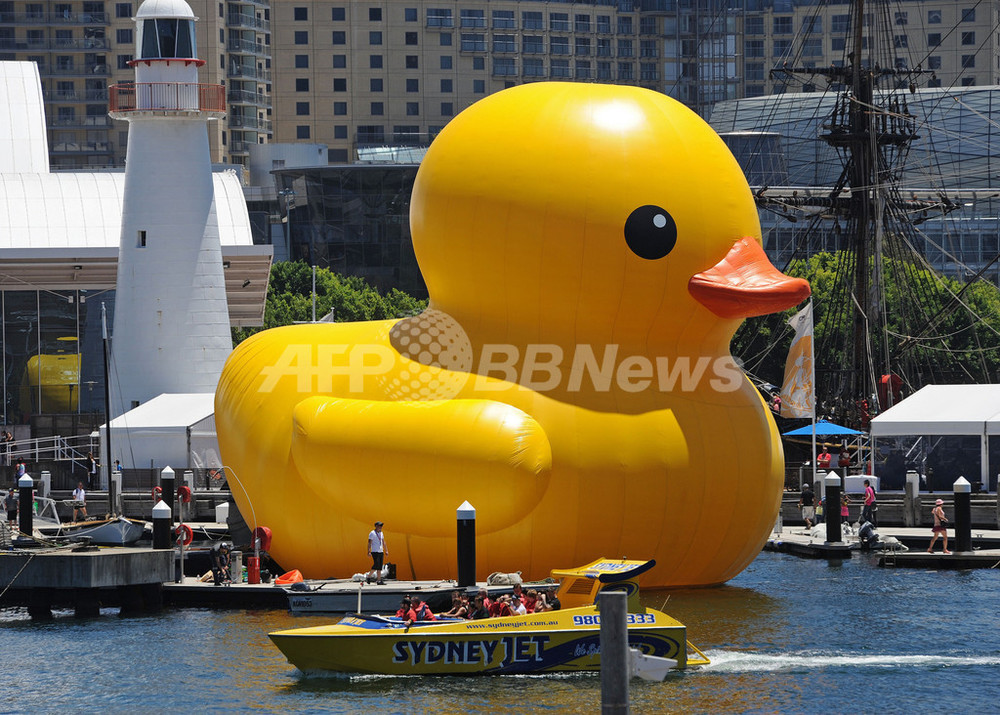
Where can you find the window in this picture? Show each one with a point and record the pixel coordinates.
(754, 26)
(840, 24)
(559, 45)
(410, 14)
(582, 69)
(377, 109)
(625, 25)
(479, 63)
(934, 82)
(473, 42)
(445, 39)
(647, 48)
(301, 14)
(339, 14)
(969, 14)
(374, 14)
(753, 48)
(626, 70)
(339, 84)
(533, 45)
(339, 37)
(503, 19)
(479, 86)
(782, 48)
(504, 43)
(581, 23)
(375, 62)
(647, 72)
(812, 47)
(123, 9)
(302, 37)
(968, 38)
(559, 69)
(754, 71)
(375, 84)
(582, 46)
(340, 131)
(375, 38)
(625, 48)
(302, 84)
(837, 44)
(410, 38)
(302, 109)
(339, 62)
(446, 62)
(412, 62)
(647, 26)
(412, 85)
(934, 62)
(532, 21)
(371, 134)
(412, 109)
(603, 47)
(447, 109)
(439, 17)
(301, 61)
(812, 24)
(900, 41)
(902, 18)
(123, 37)
(340, 108)
(933, 17)
(504, 66)
(604, 24)
(968, 61)
(782, 26)
(533, 67)
(302, 131)
(559, 22)
(406, 134)
(933, 39)
(123, 61)
(472, 18)
(141, 239)
(968, 81)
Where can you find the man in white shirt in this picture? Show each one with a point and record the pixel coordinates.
(79, 501)
(377, 550)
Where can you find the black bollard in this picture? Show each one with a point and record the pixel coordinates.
(963, 514)
(167, 485)
(613, 606)
(25, 504)
(161, 526)
(466, 545)
(832, 511)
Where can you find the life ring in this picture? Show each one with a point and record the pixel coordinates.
(157, 494)
(262, 538)
(184, 493)
(184, 534)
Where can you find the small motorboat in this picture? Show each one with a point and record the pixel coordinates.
(567, 639)
(111, 531)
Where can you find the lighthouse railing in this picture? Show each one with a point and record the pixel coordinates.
(168, 96)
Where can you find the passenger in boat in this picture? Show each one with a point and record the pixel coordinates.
(479, 609)
(503, 606)
(459, 606)
(487, 601)
(406, 611)
(530, 600)
(377, 550)
(823, 458)
(517, 607)
(220, 563)
(79, 501)
(422, 610)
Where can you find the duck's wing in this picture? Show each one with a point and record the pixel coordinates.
(412, 464)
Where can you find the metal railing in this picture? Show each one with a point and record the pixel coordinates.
(54, 449)
(167, 96)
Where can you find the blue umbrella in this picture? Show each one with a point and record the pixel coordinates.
(823, 429)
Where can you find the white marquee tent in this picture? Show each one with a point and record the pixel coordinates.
(946, 410)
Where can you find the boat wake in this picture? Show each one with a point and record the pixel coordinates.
(728, 661)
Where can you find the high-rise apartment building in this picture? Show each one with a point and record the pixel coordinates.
(82, 48)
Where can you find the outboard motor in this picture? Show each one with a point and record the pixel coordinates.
(867, 536)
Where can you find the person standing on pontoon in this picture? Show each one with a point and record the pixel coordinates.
(79, 501)
(377, 550)
(10, 506)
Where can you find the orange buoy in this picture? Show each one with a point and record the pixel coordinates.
(293, 576)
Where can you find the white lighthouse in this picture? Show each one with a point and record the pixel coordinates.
(171, 324)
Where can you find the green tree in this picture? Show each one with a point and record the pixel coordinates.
(350, 298)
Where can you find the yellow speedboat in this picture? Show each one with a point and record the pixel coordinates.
(564, 640)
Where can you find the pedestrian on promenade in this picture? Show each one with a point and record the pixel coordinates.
(940, 527)
(377, 550)
(79, 501)
(807, 502)
(869, 512)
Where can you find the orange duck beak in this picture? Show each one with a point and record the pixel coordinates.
(745, 284)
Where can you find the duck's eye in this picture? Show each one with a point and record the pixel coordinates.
(650, 232)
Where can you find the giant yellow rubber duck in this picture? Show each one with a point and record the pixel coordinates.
(589, 252)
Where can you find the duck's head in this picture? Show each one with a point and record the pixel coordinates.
(591, 211)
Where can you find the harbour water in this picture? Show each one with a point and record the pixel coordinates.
(787, 635)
